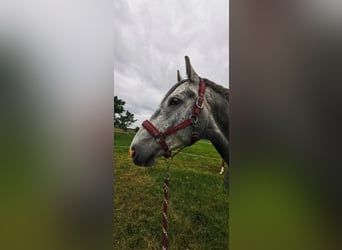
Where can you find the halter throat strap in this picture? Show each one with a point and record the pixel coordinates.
(160, 137)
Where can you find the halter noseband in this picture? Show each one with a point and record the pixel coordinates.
(160, 137)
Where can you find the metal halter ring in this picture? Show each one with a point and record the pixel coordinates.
(194, 119)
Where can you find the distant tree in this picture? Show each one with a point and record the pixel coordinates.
(136, 129)
(118, 105)
(127, 120)
(122, 118)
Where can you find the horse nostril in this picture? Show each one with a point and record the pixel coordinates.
(131, 151)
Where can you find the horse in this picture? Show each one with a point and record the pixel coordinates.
(194, 108)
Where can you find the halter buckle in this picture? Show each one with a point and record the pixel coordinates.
(197, 103)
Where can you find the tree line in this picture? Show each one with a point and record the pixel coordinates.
(122, 118)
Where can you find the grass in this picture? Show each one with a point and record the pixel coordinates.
(198, 202)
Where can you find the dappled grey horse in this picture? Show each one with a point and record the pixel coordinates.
(194, 108)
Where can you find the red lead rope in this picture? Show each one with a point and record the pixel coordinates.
(165, 205)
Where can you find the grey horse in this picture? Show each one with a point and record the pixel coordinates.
(181, 118)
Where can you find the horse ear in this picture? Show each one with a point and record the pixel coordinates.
(179, 77)
(192, 75)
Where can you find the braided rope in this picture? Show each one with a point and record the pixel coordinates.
(165, 220)
(165, 205)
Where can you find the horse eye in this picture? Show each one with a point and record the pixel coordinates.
(174, 101)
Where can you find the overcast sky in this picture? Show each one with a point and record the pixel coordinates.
(151, 38)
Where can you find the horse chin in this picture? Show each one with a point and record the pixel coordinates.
(149, 162)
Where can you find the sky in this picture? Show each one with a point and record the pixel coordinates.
(151, 38)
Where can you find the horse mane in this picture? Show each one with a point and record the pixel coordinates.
(224, 92)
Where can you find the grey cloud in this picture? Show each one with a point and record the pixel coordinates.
(151, 39)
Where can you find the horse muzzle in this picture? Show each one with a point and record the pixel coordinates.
(140, 157)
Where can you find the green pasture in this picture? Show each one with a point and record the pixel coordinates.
(198, 202)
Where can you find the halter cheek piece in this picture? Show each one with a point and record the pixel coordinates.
(160, 137)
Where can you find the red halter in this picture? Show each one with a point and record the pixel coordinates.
(160, 137)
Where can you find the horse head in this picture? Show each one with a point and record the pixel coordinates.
(179, 121)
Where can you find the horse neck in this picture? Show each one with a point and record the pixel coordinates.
(218, 123)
